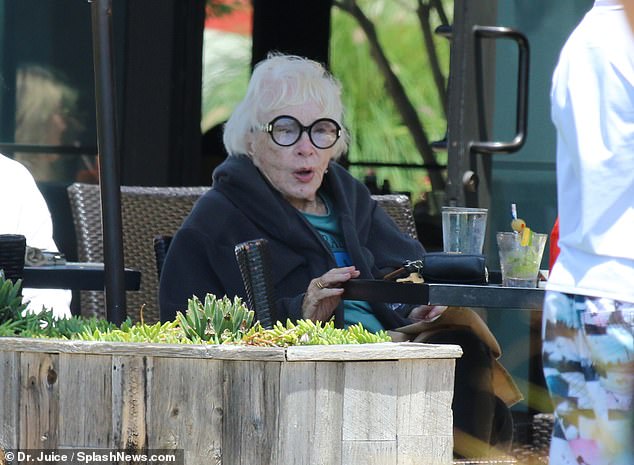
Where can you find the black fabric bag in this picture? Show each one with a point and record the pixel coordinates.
(448, 268)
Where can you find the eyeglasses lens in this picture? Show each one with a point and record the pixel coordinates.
(286, 131)
(323, 133)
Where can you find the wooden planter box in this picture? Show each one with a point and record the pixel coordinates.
(356, 404)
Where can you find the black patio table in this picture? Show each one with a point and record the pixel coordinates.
(77, 276)
(458, 295)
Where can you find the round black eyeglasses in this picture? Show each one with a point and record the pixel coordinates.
(286, 130)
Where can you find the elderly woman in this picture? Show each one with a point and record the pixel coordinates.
(281, 183)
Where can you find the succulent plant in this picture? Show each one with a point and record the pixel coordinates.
(217, 320)
(11, 306)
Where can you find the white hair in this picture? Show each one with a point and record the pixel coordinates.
(277, 82)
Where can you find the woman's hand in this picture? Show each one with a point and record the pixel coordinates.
(324, 294)
(427, 313)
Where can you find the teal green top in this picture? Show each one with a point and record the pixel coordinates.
(354, 311)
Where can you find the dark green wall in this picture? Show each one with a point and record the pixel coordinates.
(527, 177)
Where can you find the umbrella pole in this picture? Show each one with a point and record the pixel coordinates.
(108, 160)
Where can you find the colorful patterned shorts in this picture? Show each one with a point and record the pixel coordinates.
(588, 355)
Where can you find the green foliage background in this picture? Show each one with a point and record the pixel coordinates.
(377, 131)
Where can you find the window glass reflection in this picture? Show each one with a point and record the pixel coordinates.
(47, 114)
(47, 103)
(226, 71)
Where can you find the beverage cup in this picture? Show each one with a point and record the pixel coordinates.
(12, 249)
(463, 229)
(520, 264)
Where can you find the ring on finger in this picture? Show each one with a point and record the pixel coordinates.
(320, 284)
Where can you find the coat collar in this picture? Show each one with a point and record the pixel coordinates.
(239, 180)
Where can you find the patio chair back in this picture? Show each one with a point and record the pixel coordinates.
(399, 207)
(145, 213)
(161, 245)
(254, 263)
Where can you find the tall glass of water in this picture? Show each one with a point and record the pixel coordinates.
(463, 229)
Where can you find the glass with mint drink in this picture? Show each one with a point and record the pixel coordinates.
(520, 257)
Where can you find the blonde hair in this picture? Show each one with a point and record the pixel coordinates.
(278, 82)
(46, 114)
(39, 95)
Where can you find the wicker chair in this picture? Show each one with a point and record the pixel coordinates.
(161, 245)
(542, 430)
(399, 207)
(145, 212)
(254, 263)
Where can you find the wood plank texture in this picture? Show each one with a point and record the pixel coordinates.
(9, 399)
(379, 351)
(85, 401)
(185, 408)
(424, 450)
(38, 401)
(219, 352)
(389, 404)
(117, 399)
(328, 417)
(369, 401)
(370, 453)
(298, 411)
(424, 398)
(424, 419)
(132, 435)
(251, 400)
(311, 407)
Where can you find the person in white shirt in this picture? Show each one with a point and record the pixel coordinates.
(588, 337)
(23, 210)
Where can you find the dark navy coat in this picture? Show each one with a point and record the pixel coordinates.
(242, 206)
